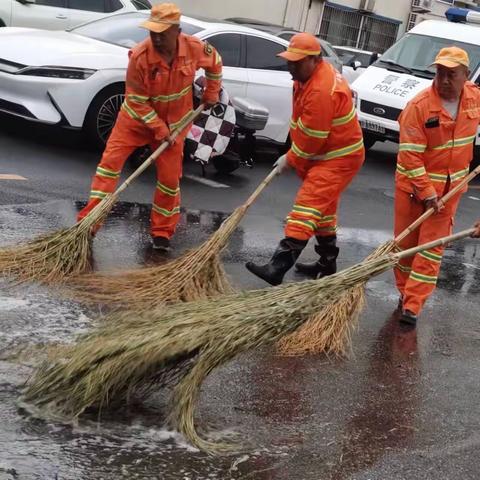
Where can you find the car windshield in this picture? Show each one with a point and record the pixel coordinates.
(415, 53)
(123, 29)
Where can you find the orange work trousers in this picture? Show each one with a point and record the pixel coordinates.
(417, 276)
(127, 136)
(315, 210)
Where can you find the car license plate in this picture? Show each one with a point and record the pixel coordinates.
(372, 126)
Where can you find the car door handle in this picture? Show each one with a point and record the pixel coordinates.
(61, 17)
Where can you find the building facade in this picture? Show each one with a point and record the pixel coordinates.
(372, 25)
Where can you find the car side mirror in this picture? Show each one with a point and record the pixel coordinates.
(356, 64)
(373, 58)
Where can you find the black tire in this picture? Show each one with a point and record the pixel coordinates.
(226, 163)
(2, 23)
(368, 141)
(102, 114)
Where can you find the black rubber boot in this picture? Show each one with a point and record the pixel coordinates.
(327, 264)
(408, 320)
(283, 259)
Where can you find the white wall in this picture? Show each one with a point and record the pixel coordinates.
(272, 11)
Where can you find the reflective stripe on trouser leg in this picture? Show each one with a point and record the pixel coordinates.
(166, 203)
(125, 138)
(426, 265)
(422, 280)
(327, 225)
(319, 194)
(407, 210)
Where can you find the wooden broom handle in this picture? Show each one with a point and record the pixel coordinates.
(160, 149)
(435, 243)
(443, 200)
(260, 188)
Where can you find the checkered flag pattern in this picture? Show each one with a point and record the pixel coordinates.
(212, 129)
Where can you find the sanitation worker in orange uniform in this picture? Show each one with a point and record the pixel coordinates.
(437, 134)
(326, 152)
(158, 97)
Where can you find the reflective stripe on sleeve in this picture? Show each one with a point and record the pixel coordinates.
(311, 132)
(416, 172)
(336, 122)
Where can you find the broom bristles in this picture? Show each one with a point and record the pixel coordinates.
(131, 351)
(196, 275)
(53, 257)
(330, 329)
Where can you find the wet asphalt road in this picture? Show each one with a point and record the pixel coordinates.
(405, 406)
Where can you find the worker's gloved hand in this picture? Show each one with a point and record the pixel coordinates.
(434, 203)
(165, 138)
(281, 164)
(476, 233)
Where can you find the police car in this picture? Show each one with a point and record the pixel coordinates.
(383, 90)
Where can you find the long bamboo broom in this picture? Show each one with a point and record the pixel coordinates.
(330, 329)
(195, 275)
(55, 256)
(132, 353)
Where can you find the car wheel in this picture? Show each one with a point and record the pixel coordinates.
(368, 141)
(226, 163)
(2, 23)
(102, 114)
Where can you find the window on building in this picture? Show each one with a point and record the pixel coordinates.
(262, 54)
(229, 47)
(347, 27)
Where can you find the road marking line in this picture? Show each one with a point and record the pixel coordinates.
(471, 266)
(206, 181)
(8, 176)
(474, 198)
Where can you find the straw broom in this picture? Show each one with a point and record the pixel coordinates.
(131, 353)
(195, 275)
(330, 329)
(55, 256)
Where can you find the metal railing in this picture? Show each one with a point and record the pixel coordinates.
(354, 29)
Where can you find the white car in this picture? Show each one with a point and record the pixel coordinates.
(62, 14)
(355, 61)
(76, 79)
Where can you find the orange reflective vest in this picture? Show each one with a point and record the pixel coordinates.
(159, 95)
(434, 148)
(324, 123)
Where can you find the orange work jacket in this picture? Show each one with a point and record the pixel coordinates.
(324, 123)
(160, 96)
(434, 148)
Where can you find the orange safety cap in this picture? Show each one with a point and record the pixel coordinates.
(301, 45)
(452, 57)
(162, 17)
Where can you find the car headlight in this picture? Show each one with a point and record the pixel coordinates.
(58, 72)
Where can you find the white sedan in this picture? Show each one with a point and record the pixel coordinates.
(76, 79)
(62, 14)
